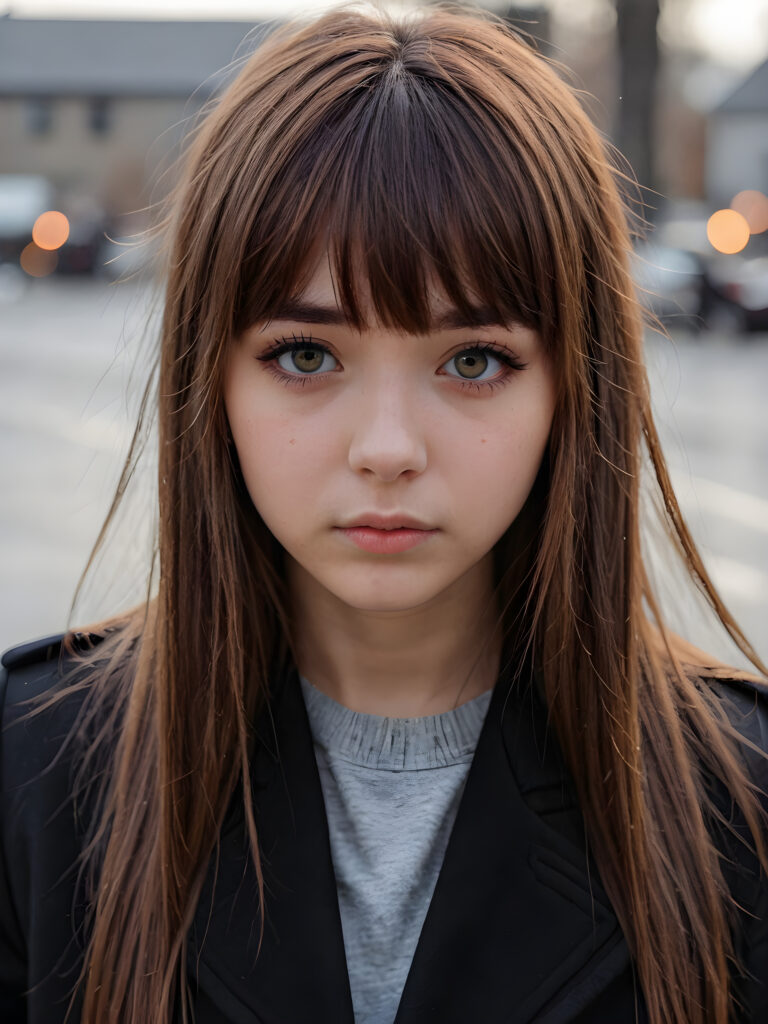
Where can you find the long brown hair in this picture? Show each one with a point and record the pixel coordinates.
(434, 145)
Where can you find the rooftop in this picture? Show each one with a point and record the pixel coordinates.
(42, 57)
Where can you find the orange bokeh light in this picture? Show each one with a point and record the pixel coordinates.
(753, 206)
(38, 262)
(728, 231)
(51, 230)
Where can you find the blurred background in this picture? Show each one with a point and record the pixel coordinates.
(95, 100)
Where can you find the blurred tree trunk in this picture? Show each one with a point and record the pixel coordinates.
(636, 22)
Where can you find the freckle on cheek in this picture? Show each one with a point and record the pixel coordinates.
(482, 440)
(292, 441)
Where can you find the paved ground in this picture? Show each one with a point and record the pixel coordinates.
(66, 349)
(710, 407)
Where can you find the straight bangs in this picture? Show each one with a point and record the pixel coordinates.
(401, 167)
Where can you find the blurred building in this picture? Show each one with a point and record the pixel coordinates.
(98, 107)
(737, 140)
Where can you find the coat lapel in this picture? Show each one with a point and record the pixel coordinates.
(301, 970)
(519, 928)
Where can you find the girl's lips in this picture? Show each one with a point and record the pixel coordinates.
(385, 542)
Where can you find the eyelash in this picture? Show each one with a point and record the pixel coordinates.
(282, 345)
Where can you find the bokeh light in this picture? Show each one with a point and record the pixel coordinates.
(51, 230)
(753, 206)
(728, 231)
(38, 262)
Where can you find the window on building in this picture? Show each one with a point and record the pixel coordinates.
(39, 115)
(100, 115)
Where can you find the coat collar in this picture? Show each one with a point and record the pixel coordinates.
(519, 927)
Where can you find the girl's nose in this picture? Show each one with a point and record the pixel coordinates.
(387, 438)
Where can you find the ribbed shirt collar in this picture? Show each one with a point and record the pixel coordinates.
(396, 744)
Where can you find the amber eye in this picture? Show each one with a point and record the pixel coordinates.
(474, 361)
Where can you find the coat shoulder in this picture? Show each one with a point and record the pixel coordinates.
(745, 702)
(45, 655)
(37, 703)
(41, 694)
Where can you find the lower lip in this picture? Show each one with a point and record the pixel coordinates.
(386, 542)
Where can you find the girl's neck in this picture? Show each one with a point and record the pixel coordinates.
(400, 664)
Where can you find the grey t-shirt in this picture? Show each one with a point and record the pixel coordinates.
(391, 787)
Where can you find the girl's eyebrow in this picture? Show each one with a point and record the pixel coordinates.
(297, 311)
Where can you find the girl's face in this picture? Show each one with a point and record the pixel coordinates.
(448, 428)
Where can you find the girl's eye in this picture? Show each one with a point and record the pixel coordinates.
(472, 363)
(296, 361)
(303, 358)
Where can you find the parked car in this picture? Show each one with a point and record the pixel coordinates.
(81, 252)
(671, 284)
(739, 294)
(23, 197)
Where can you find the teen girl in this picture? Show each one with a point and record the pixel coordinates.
(400, 735)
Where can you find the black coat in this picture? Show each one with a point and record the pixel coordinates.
(519, 927)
